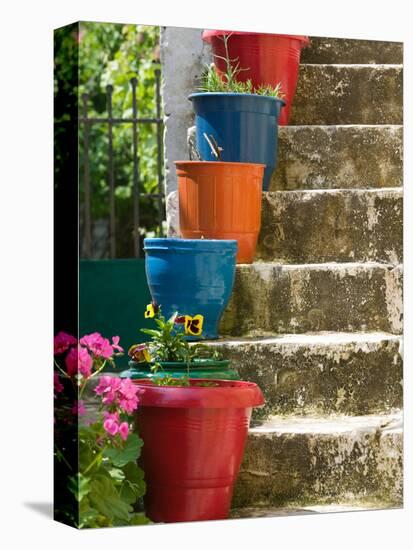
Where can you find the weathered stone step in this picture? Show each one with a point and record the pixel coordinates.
(346, 50)
(321, 374)
(332, 225)
(328, 157)
(314, 461)
(348, 94)
(279, 299)
(322, 157)
(282, 511)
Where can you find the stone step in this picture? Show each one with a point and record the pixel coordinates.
(348, 94)
(322, 157)
(346, 50)
(323, 225)
(321, 374)
(332, 226)
(270, 298)
(285, 511)
(309, 461)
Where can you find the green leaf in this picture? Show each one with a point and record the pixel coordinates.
(151, 332)
(127, 493)
(171, 320)
(134, 485)
(86, 456)
(117, 474)
(79, 485)
(105, 498)
(133, 473)
(159, 322)
(87, 514)
(139, 519)
(129, 453)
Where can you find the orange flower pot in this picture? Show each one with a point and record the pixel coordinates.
(221, 200)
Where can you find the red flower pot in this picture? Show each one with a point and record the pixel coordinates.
(267, 58)
(194, 440)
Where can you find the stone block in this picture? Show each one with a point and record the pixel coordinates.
(348, 94)
(332, 226)
(322, 460)
(270, 298)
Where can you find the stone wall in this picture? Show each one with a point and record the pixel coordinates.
(183, 55)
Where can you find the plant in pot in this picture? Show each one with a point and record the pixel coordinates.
(98, 481)
(243, 121)
(194, 432)
(169, 355)
(268, 58)
(192, 276)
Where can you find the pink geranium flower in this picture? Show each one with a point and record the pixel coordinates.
(111, 423)
(111, 427)
(128, 398)
(97, 345)
(128, 389)
(79, 360)
(104, 385)
(129, 405)
(62, 342)
(123, 393)
(85, 362)
(111, 416)
(115, 344)
(58, 386)
(71, 362)
(108, 387)
(79, 408)
(124, 430)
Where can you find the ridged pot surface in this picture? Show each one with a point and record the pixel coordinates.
(245, 126)
(267, 58)
(191, 277)
(194, 441)
(221, 200)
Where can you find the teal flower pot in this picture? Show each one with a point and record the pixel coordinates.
(201, 368)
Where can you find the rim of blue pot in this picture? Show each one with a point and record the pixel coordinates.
(234, 94)
(212, 245)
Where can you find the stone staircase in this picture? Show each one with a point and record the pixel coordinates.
(316, 320)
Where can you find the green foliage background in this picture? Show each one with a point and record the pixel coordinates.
(112, 54)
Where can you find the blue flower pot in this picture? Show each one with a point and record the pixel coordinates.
(191, 276)
(244, 125)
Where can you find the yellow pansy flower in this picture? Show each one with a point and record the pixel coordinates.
(140, 353)
(193, 325)
(151, 310)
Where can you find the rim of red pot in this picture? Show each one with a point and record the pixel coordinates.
(224, 394)
(208, 34)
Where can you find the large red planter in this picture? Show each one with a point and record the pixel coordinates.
(268, 58)
(194, 440)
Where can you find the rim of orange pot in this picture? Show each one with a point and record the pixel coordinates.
(215, 162)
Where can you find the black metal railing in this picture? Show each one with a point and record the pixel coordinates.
(111, 121)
